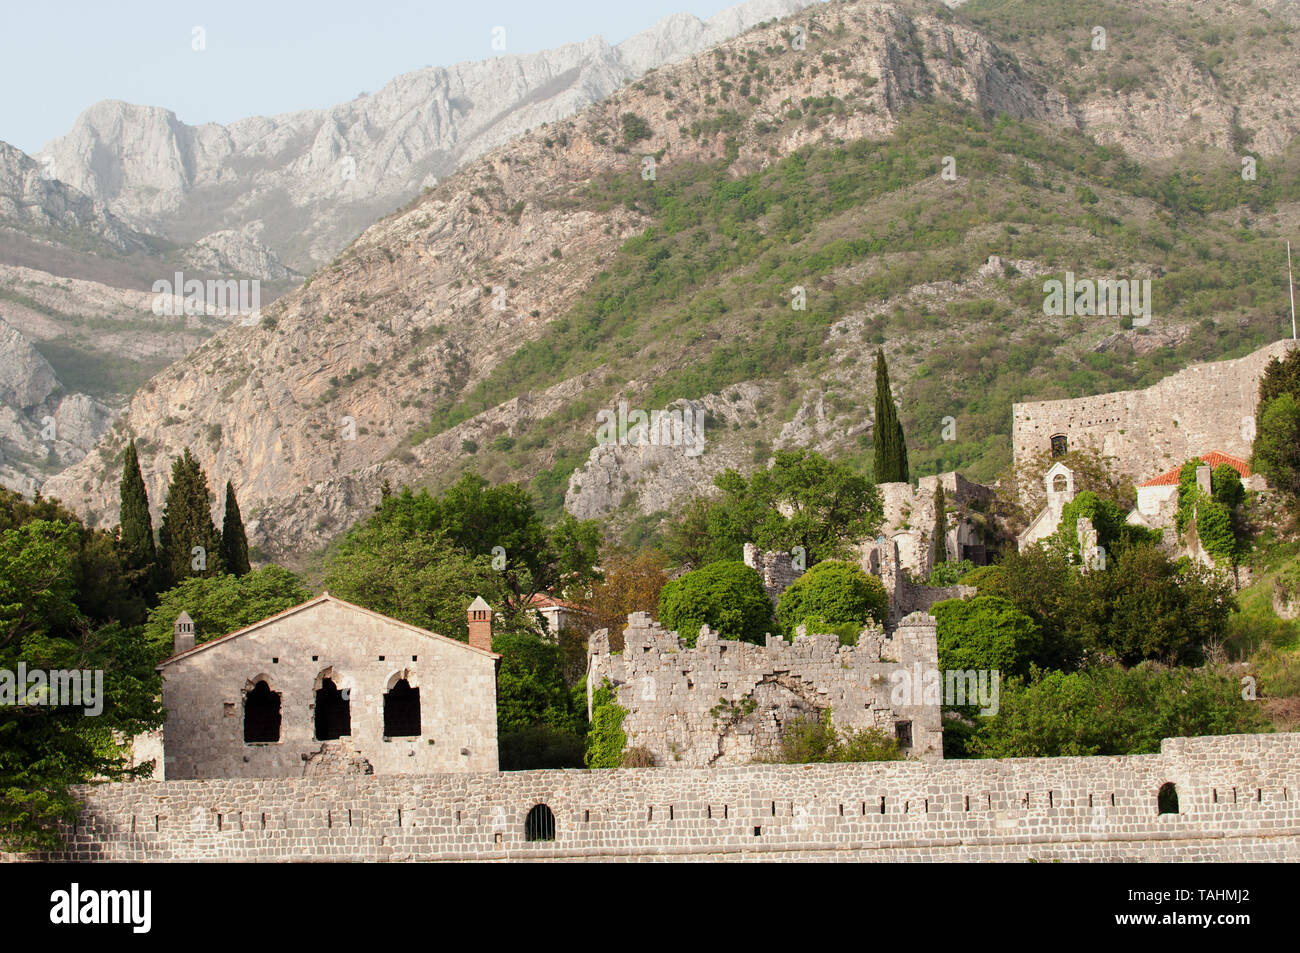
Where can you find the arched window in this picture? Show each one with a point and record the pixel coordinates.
(1167, 798)
(333, 712)
(1060, 483)
(261, 714)
(1060, 445)
(540, 824)
(402, 711)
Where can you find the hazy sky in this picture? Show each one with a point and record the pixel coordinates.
(266, 57)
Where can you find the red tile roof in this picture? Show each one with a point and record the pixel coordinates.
(1211, 459)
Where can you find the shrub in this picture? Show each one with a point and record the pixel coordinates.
(605, 737)
(832, 593)
(816, 741)
(985, 633)
(727, 596)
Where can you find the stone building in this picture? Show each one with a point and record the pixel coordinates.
(725, 702)
(911, 522)
(1148, 431)
(328, 687)
(1059, 483)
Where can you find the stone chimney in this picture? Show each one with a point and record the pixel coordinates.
(480, 624)
(182, 634)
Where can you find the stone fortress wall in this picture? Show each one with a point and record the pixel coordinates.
(1147, 432)
(1238, 800)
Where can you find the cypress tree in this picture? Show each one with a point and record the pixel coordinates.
(187, 523)
(139, 555)
(234, 542)
(891, 450)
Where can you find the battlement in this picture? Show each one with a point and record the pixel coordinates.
(1236, 800)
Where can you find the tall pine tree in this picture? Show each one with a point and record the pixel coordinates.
(187, 525)
(234, 542)
(139, 554)
(891, 450)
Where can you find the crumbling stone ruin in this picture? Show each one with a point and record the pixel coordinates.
(725, 702)
(905, 596)
(778, 569)
(911, 522)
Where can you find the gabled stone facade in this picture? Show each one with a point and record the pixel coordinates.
(725, 702)
(401, 700)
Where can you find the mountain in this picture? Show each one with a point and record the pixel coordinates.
(488, 322)
(308, 182)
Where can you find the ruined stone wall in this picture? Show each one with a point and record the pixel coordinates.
(1238, 800)
(364, 654)
(777, 568)
(1147, 432)
(912, 522)
(725, 702)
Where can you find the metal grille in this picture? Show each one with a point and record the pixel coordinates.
(540, 824)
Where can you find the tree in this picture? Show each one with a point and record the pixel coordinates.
(234, 542)
(832, 593)
(829, 506)
(417, 578)
(727, 596)
(501, 524)
(1276, 452)
(985, 633)
(1146, 606)
(1226, 484)
(631, 582)
(139, 552)
(1280, 377)
(46, 748)
(1109, 710)
(103, 591)
(190, 543)
(890, 447)
(222, 604)
(531, 692)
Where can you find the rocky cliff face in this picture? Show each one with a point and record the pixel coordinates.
(311, 410)
(42, 428)
(326, 174)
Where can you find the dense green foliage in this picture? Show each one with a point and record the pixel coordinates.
(221, 604)
(890, 446)
(830, 507)
(605, 738)
(1277, 446)
(53, 619)
(234, 541)
(1143, 606)
(189, 542)
(727, 596)
(832, 593)
(950, 574)
(987, 634)
(139, 553)
(1111, 711)
(1107, 519)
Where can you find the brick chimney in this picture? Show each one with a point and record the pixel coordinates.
(480, 624)
(182, 634)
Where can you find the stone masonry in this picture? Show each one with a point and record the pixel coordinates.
(1238, 799)
(724, 702)
(207, 692)
(1148, 431)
